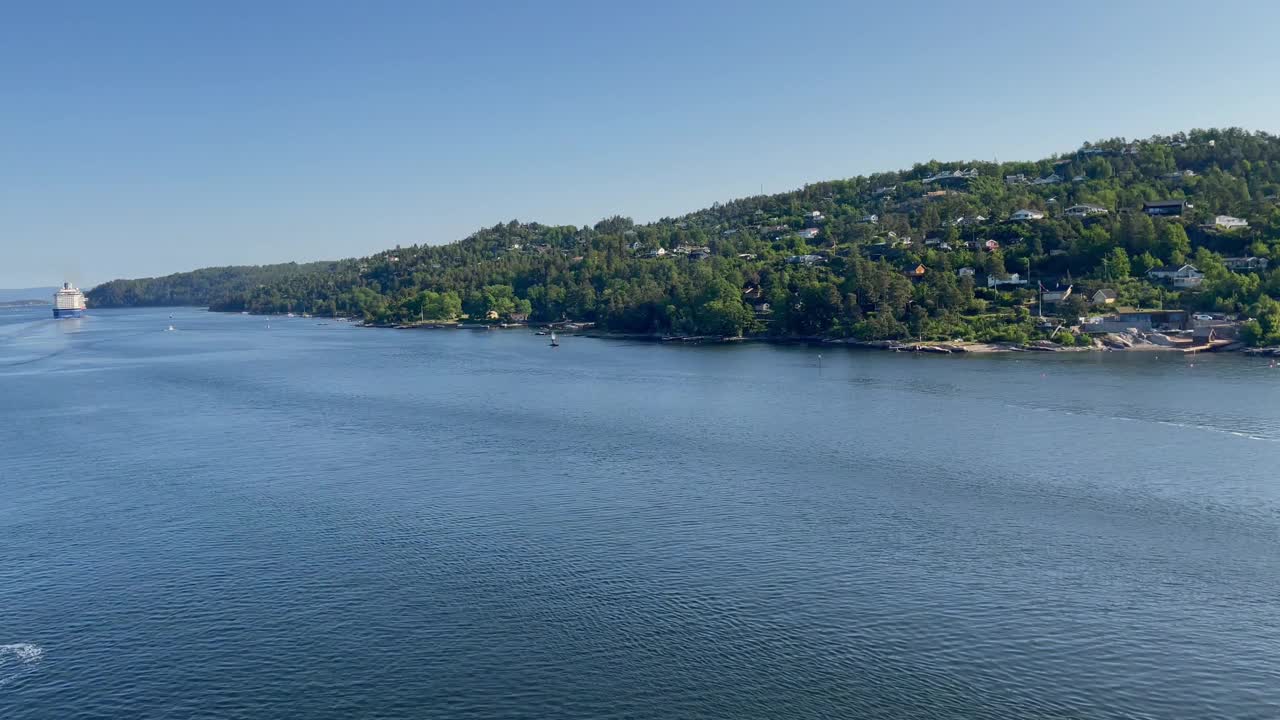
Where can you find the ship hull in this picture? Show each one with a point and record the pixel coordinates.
(60, 313)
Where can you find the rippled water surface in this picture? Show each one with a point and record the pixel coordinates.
(312, 520)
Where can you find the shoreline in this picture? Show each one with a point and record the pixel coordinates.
(1112, 342)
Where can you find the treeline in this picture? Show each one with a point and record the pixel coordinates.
(893, 255)
(201, 287)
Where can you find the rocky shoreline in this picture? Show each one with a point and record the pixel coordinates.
(1131, 341)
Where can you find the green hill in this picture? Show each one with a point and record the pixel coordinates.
(891, 255)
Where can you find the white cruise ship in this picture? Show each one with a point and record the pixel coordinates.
(68, 302)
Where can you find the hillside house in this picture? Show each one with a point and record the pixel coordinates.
(951, 176)
(1053, 179)
(995, 281)
(1085, 210)
(1026, 215)
(916, 272)
(1056, 295)
(1019, 179)
(1245, 264)
(990, 245)
(660, 252)
(966, 272)
(804, 260)
(1227, 222)
(809, 233)
(871, 219)
(1165, 208)
(1184, 276)
(1103, 297)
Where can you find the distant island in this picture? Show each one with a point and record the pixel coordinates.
(23, 303)
(1166, 241)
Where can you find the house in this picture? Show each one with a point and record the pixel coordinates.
(1227, 222)
(886, 190)
(660, 252)
(517, 317)
(1024, 215)
(1053, 179)
(1085, 210)
(1056, 295)
(1105, 296)
(804, 260)
(1165, 208)
(936, 193)
(813, 219)
(746, 256)
(700, 254)
(966, 272)
(951, 176)
(1176, 176)
(491, 315)
(809, 233)
(994, 281)
(752, 292)
(1245, 264)
(1185, 276)
(636, 246)
(871, 219)
(916, 272)
(691, 249)
(1018, 179)
(1079, 179)
(991, 246)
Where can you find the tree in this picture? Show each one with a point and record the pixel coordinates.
(1117, 264)
(1174, 245)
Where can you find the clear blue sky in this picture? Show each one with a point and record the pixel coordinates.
(141, 138)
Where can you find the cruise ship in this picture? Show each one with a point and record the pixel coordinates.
(68, 302)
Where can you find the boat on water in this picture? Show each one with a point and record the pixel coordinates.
(554, 342)
(68, 302)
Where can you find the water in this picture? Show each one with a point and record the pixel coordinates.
(321, 521)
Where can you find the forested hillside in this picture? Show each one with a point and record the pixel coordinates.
(943, 250)
(207, 286)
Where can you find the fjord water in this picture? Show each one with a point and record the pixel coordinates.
(313, 520)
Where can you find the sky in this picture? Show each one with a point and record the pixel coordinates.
(143, 138)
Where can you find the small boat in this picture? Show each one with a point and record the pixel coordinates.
(554, 342)
(541, 332)
(170, 328)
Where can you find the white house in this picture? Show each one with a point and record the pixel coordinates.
(1055, 296)
(804, 259)
(1085, 210)
(809, 233)
(1185, 276)
(660, 252)
(1018, 179)
(1023, 215)
(1053, 179)
(1227, 222)
(1245, 264)
(1013, 279)
(871, 219)
(966, 272)
(1105, 296)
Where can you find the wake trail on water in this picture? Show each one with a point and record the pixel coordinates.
(18, 661)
